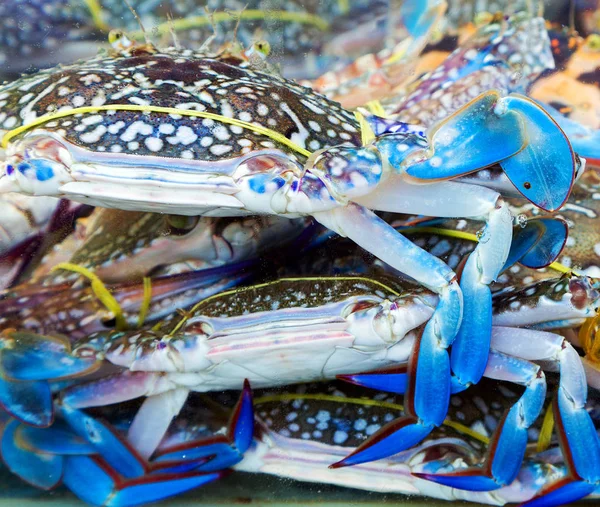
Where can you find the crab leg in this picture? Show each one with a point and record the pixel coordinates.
(432, 369)
(579, 440)
(153, 419)
(102, 469)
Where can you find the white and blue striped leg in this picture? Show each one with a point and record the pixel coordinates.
(430, 378)
(577, 435)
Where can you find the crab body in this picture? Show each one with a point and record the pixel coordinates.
(176, 131)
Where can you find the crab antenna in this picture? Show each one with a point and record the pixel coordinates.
(206, 44)
(172, 31)
(237, 24)
(139, 20)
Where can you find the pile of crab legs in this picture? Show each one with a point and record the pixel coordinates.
(246, 278)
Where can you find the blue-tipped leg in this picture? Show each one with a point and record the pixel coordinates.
(57, 439)
(391, 380)
(428, 396)
(108, 444)
(221, 451)
(508, 444)
(93, 481)
(544, 171)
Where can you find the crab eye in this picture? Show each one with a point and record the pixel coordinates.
(181, 224)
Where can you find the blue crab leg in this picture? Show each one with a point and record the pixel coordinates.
(471, 347)
(579, 439)
(96, 483)
(514, 131)
(431, 362)
(227, 449)
(507, 447)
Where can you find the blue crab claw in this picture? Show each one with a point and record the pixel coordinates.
(585, 140)
(95, 482)
(514, 131)
(33, 357)
(544, 171)
(36, 468)
(538, 243)
(580, 446)
(223, 451)
(391, 380)
(30, 402)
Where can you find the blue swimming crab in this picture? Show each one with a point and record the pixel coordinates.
(295, 329)
(176, 131)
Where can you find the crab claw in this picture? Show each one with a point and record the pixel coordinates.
(39, 469)
(27, 362)
(513, 131)
(538, 243)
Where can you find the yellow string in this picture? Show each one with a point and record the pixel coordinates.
(96, 12)
(222, 16)
(145, 302)
(276, 136)
(365, 402)
(241, 290)
(557, 266)
(376, 108)
(366, 132)
(546, 431)
(100, 290)
(344, 6)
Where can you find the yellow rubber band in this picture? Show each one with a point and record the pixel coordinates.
(181, 24)
(100, 290)
(241, 290)
(145, 302)
(545, 436)
(368, 403)
(276, 136)
(96, 11)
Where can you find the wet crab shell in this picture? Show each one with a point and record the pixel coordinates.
(178, 79)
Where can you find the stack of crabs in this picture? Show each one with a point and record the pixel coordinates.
(400, 258)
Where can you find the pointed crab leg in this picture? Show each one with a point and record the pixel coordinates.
(432, 372)
(579, 440)
(484, 265)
